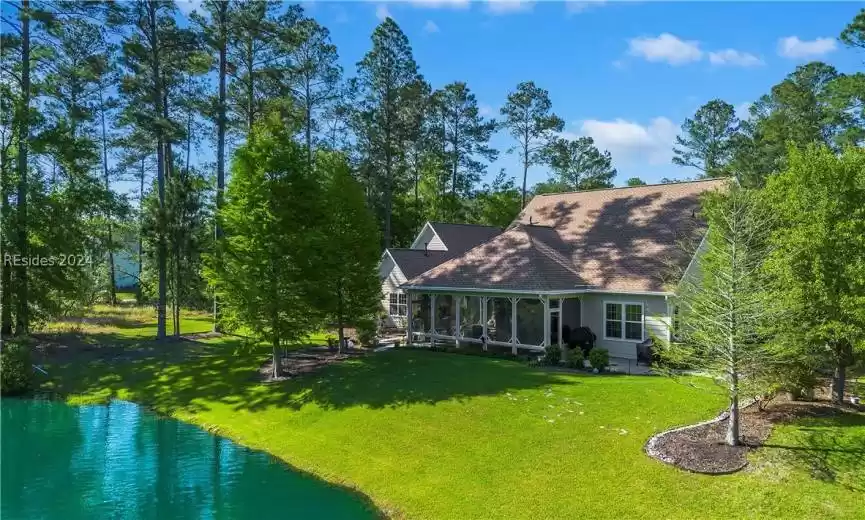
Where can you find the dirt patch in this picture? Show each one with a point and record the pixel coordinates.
(701, 448)
(298, 362)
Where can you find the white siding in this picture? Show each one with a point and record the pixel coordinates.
(391, 278)
(428, 236)
(655, 318)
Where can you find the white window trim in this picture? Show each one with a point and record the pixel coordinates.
(398, 305)
(623, 321)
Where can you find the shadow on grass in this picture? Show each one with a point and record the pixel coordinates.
(830, 449)
(188, 376)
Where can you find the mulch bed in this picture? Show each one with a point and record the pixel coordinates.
(304, 361)
(701, 449)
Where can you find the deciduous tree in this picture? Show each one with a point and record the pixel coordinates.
(817, 269)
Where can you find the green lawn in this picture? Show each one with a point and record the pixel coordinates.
(435, 435)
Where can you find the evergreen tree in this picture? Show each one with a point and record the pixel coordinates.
(267, 273)
(386, 76)
(579, 165)
(351, 288)
(707, 141)
(529, 119)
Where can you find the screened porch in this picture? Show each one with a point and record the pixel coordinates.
(518, 321)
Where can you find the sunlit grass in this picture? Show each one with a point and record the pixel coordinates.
(439, 436)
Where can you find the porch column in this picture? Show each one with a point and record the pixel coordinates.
(514, 301)
(561, 313)
(547, 316)
(432, 319)
(484, 322)
(456, 302)
(408, 312)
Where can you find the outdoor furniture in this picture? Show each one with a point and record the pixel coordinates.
(584, 338)
(644, 351)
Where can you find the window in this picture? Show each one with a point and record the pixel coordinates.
(398, 306)
(623, 320)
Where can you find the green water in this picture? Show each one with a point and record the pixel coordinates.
(121, 462)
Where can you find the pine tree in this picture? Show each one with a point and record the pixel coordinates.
(386, 76)
(529, 119)
(579, 165)
(708, 140)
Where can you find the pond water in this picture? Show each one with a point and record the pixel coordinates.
(119, 461)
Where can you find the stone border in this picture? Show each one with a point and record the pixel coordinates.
(652, 451)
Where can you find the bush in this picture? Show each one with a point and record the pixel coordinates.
(367, 333)
(16, 370)
(575, 359)
(599, 358)
(552, 355)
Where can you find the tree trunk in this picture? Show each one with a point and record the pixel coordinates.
(308, 126)
(732, 438)
(277, 358)
(525, 173)
(839, 381)
(22, 318)
(161, 164)
(220, 139)
(5, 270)
(139, 290)
(112, 292)
(339, 319)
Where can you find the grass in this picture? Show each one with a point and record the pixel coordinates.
(434, 435)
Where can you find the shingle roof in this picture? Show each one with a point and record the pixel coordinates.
(620, 239)
(459, 238)
(413, 262)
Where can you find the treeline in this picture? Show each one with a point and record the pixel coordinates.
(107, 105)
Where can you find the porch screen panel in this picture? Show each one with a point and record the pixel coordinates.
(445, 315)
(499, 324)
(530, 321)
(471, 325)
(420, 313)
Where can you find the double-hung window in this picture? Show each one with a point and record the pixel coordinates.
(623, 321)
(398, 304)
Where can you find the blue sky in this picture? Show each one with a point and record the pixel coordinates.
(626, 73)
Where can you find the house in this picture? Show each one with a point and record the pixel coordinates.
(598, 259)
(436, 242)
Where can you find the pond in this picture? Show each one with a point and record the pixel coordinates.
(120, 461)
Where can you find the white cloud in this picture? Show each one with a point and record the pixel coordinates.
(382, 12)
(453, 4)
(735, 58)
(631, 142)
(485, 110)
(509, 6)
(188, 6)
(666, 48)
(793, 47)
(430, 27)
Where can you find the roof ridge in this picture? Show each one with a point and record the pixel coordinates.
(694, 181)
(463, 224)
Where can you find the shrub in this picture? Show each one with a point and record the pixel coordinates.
(575, 359)
(552, 355)
(367, 333)
(16, 370)
(599, 358)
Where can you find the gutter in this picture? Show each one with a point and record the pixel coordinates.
(585, 290)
